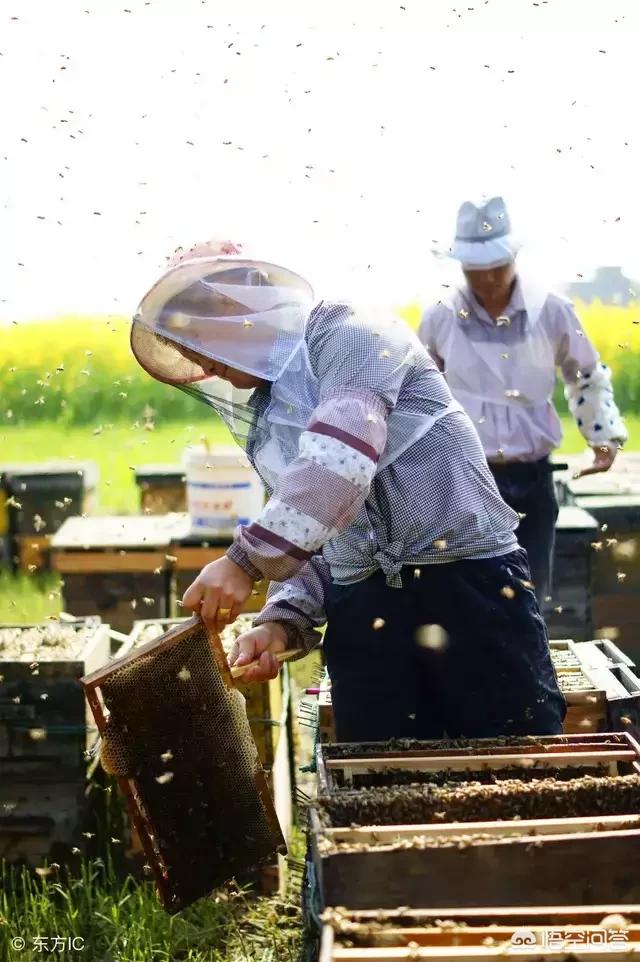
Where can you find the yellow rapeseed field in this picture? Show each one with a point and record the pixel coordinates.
(44, 345)
(75, 369)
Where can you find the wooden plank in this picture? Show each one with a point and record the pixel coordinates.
(389, 834)
(481, 746)
(581, 869)
(330, 758)
(446, 953)
(191, 558)
(94, 562)
(479, 762)
(327, 941)
(459, 935)
(522, 915)
(121, 531)
(462, 935)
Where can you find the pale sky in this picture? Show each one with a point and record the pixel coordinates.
(353, 130)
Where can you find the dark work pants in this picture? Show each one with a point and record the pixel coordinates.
(493, 676)
(530, 490)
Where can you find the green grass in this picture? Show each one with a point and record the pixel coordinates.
(120, 919)
(28, 598)
(120, 447)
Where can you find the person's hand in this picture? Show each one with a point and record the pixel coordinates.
(605, 455)
(218, 593)
(263, 643)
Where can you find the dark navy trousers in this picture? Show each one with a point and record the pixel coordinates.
(529, 489)
(492, 676)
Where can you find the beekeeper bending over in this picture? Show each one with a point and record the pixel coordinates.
(383, 519)
(499, 342)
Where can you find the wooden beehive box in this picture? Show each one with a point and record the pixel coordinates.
(569, 614)
(41, 815)
(602, 653)
(616, 566)
(617, 617)
(117, 567)
(162, 488)
(48, 493)
(564, 654)
(31, 552)
(470, 827)
(44, 722)
(586, 702)
(560, 931)
(622, 688)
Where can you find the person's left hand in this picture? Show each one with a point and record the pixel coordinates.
(605, 456)
(218, 593)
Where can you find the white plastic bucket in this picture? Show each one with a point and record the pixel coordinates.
(223, 490)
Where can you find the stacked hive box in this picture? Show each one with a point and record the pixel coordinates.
(268, 708)
(586, 702)
(116, 567)
(42, 496)
(504, 823)
(613, 499)
(616, 567)
(467, 934)
(45, 729)
(162, 488)
(607, 696)
(568, 614)
(122, 567)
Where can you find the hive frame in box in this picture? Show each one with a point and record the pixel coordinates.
(138, 807)
(478, 933)
(552, 751)
(515, 861)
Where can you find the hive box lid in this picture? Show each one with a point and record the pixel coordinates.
(160, 470)
(27, 469)
(121, 531)
(572, 518)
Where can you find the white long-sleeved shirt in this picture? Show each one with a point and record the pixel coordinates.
(508, 394)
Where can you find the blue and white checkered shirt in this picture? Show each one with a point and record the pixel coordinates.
(436, 503)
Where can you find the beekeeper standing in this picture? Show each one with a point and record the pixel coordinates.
(499, 341)
(383, 519)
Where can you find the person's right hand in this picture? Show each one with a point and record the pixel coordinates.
(262, 643)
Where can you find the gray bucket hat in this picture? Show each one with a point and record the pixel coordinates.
(483, 235)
